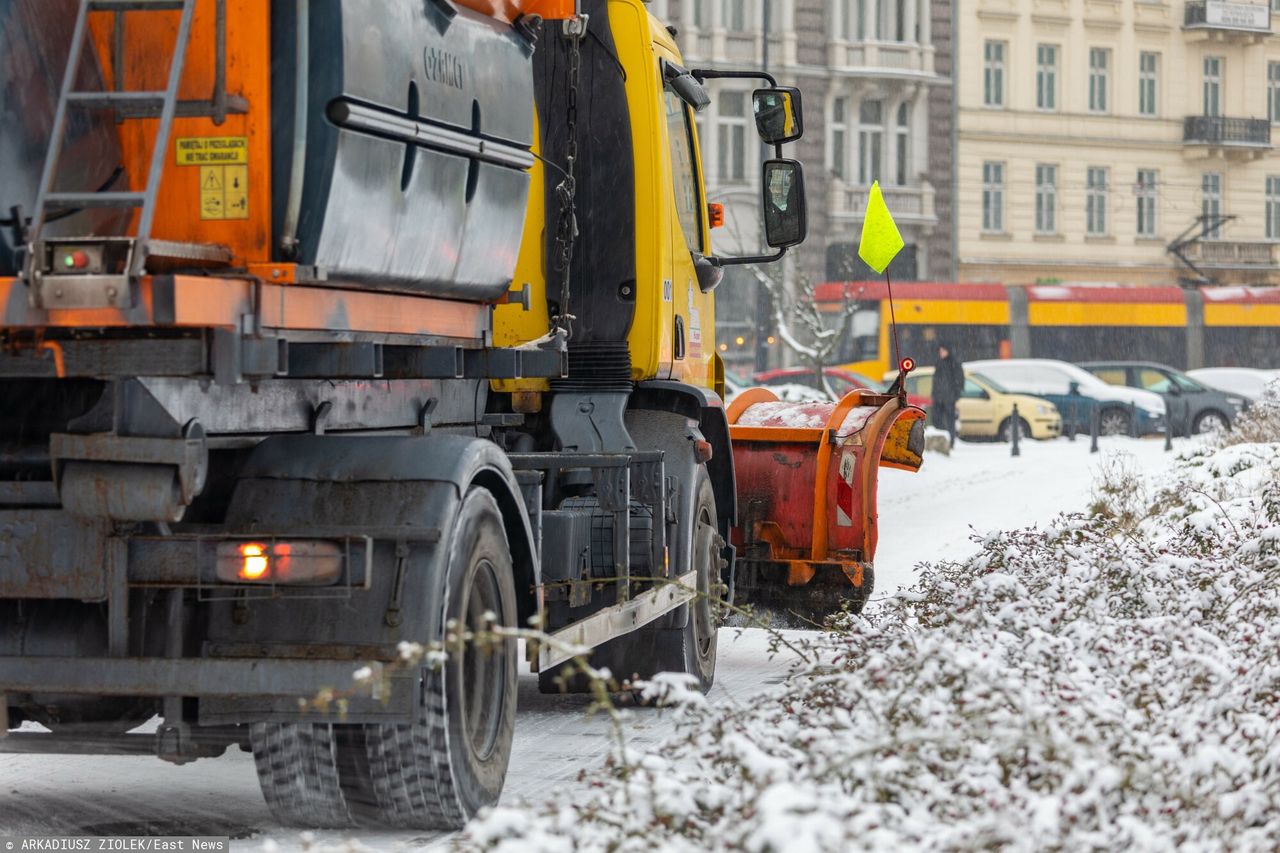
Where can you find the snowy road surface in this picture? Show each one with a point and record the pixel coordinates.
(926, 516)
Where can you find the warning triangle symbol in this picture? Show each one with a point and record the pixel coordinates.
(211, 181)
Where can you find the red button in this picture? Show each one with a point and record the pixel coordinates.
(79, 259)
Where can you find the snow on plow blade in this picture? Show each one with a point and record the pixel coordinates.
(807, 477)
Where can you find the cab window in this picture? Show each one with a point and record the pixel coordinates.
(973, 389)
(684, 175)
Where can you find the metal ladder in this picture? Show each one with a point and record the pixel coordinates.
(129, 105)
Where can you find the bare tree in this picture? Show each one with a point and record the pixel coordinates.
(813, 335)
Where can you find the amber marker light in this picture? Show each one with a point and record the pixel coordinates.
(296, 563)
(254, 563)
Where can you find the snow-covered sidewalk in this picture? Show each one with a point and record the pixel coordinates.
(932, 515)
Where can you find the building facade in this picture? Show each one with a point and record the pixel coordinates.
(878, 105)
(1126, 141)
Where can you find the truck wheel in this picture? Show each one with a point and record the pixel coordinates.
(653, 649)
(451, 762)
(692, 648)
(298, 772)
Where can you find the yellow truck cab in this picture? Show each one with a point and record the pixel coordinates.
(654, 207)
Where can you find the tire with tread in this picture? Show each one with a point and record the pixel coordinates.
(452, 761)
(297, 766)
(692, 648)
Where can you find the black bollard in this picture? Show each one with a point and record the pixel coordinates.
(1094, 427)
(1071, 421)
(1168, 435)
(1015, 427)
(1186, 418)
(1133, 420)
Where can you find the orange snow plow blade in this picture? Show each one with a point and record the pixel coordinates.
(807, 479)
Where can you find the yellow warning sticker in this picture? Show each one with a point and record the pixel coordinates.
(236, 188)
(210, 150)
(224, 192)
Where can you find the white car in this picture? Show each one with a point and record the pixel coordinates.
(1078, 393)
(1249, 382)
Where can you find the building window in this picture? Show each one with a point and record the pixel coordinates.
(839, 137)
(1273, 207)
(1211, 203)
(735, 15)
(1046, 199)
(900, 24)
(1145, 190)
(1046, 77)
(882, 18)
(870, 141)
(1095, 212)
(700, 17)
(993, 73)
(993, 196)
(1099, 67)
(1213, 85)
(731, 131)
(1148, 83)
(855, 20)
(1273, 91)
(903, 144)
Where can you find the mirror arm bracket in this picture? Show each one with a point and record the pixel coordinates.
(701, 74)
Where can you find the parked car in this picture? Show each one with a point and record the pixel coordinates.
(1190, 404)
(1247, 382)
(986, 408)
(842, 381)
(1078, 394)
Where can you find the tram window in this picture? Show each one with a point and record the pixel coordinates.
(1241, 347)
(1162, 344)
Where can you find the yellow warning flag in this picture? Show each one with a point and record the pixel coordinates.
(881, 240)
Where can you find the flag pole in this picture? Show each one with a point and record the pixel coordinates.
(893, 321)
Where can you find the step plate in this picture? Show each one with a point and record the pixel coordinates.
(63, 292)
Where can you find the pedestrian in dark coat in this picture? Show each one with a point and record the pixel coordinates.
(948, 385)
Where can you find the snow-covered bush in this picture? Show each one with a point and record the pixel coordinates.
(1089, 686)
(1261, 421)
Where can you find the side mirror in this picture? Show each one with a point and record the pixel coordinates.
(785, 209)
(1074, 389)
(779, 118)
(1174, 390)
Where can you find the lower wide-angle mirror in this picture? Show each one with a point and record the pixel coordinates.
(785, 209)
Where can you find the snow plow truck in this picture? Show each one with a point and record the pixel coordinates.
(335, 328)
